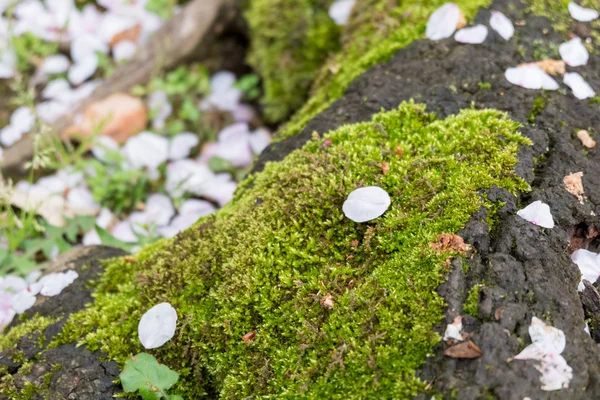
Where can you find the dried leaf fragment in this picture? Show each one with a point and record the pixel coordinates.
(464, 350)
(574, 184)
(586, 139)
(549, 66)
(327, 302)
(462, 21)
(249, 337)
(385, 167)
(450, 242)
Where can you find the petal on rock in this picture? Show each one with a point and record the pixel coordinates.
(12, 284)
(581, 89)
(56, 64)
(556, 373)
(442, 23)
(501, 24)
(340, 11)
(157, 326)
(472, 35)
(589, 266)
(366, 203)
(454, 330)
(181, 145)
(22, 301)
(574, 52)
(549, 338)
(530, 76)
(54, 283)
(582, 14)
(537, 213)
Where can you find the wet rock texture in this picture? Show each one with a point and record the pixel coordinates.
(525, 270)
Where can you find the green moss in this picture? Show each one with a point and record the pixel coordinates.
(379, 28)
(471, 305)
(539, 104)
(543, 50)
(485, 85)
(290, 42)
(264, 261)
(36, 324)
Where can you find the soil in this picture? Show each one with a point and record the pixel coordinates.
(526, 270)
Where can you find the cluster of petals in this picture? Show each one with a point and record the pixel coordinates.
(17, 295)
(547, 345)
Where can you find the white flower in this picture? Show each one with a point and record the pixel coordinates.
(547, 345)
(366, 203)
(12, 284)
(186, 176)
(340, 11)
(56, 64)
(574, 52)
(589, 266)
(472, 35)
(146, 150)
(85, 22)
(581, 89)
(114, 23)
(530, 76)
(442, 23)
(124, 50)
(454, 330)
(582, 14)
(157, 326)
(501, 24)
(54, 283)
(160, 107)
(181, 145)
(537, 213)
(22, 301)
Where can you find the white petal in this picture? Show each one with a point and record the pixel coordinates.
(146, 150)
(57, 89)
(581, 89)
(12, 284)
(190, 211)
(501, 24)
(123, 232)
(181, 145)
(102, 145)
(83, 69)
(54, 283)
(112, 24)
(530, 76)
(159, 209)
(472, 35)
(222, 81)
(366, 203)
(22, 119)
(84, 46)
(196, 207)
(124, 50)
(442, 23)
(22, 301)
(81, 201)
(556, 373)
(531, 352)
(340, 11)
(51, 111)
(157, 326)
(220, 188)
(259, 140)
(582, 14)
(187, 176)
(9, 135)
(159, 105)
(589, 266)
(537, 213)
(243, 113)
(91, 238)
(33, 276)
(551, 339)
(574, 52)
(105, 218)
(453, 330)
(56, 64)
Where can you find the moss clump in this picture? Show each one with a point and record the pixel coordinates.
(290, 42)
(379, 28)
(471, 305)
(266, 260)
(539, 104)
(36, 324)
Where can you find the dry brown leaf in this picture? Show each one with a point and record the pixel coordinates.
(385, 167)
(327, 302)
(450, 242)
(552, 67)
(464, 350)
(119, 116)
(132, 34)
(586, 139)
(574, 184)
(130, 259)
(399, 151)
(462, 21)
(249, 337)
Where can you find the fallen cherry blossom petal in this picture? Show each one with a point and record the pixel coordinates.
(581, 89)
(124, 50)
(530, 76)
(181, 145)
(146, 150)
(454, 330)
(442, 23)
(582, 14)
(123, 232)
(103, 145)
(22, 301)
(556, 373)
(472, 35)
(586, 139)
(56, 64)
(22, 119)
(160, 107)
(54, 283)
(574, 185)
(157, 326)
(366, 203)
(259, 140)
(12, 284)
(466, 350)
(81, 201)
(83, 69)
(501, 24)
(574, 52)
(589, 266)
(91, 238)
(537, 213)
(9, 135)
(340, 11)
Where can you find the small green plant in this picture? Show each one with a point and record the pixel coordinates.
(250, 85)
(485, 85)
(538, 106)
(143, 374)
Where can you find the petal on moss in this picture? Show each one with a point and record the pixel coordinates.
(501, 24)
(574, 52)
(442, 23)
(537, 213)
(581, 89)
(157, 326)
(472, 35)
(581, 13)
(366, 203)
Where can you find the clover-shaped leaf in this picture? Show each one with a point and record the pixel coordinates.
(144, 374)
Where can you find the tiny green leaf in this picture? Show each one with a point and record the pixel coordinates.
(142, 372)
